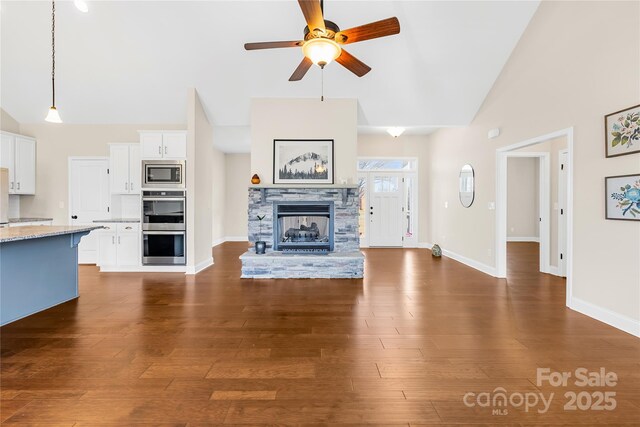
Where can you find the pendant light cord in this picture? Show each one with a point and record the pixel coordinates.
(53, 52)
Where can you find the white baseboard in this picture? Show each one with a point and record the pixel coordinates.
(195, 269)
(221, 240)
(142, 269)
(523, 239)
(425, 245)
(487, 269)
(619, 321)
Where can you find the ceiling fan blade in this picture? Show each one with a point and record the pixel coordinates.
(302, 69)
(353, 64)
(271, 45)
(386, 27)
(312, 14)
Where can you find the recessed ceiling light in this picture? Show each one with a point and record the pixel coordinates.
(81, 5)
(395, 131)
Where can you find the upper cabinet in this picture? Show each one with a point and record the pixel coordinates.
(170, 145)
(124, 168)
(18, 154)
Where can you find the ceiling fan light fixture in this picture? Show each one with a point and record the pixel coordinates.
(81, 5)
(321, 51)
(53, 116)
(395, 131)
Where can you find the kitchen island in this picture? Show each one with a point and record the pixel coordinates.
(38, 268)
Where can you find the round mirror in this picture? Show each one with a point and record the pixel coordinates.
(467, 186)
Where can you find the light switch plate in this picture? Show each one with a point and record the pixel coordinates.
(492, 206)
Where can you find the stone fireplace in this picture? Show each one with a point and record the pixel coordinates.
(310, 233)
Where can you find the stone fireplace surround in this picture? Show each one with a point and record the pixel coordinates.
(346, 260)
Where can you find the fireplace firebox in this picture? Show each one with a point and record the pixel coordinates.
(303, 227)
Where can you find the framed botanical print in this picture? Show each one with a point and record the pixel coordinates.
(303, 161)
(622, 197)
(622, 132)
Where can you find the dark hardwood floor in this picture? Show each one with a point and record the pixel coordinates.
(403, 346)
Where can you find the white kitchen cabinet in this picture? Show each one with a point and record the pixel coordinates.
(119, 245)
(124, 168)
(171, 145)
(18, 154)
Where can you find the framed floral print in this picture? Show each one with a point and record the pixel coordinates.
(622, 132)
(622, 197)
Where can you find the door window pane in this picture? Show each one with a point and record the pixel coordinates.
(362, 205)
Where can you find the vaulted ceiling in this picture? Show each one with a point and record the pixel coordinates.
(131, 62)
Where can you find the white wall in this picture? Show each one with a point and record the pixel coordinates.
(576, 62)
(8, 123)
(55, 144)
(335, 119)
(200, 180)
(405, 146)
(522, 199)
(238, 177)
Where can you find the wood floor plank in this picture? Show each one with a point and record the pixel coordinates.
(403, 346)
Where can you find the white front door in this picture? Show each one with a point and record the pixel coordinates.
(385, 210)
(88, 200)
(562, 213)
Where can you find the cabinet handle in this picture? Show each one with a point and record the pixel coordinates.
(165, 149)
(11, 186)
(18, 187)
(131, 186)
(118, 239)
(126, 185)
(113, 240)
(127, 228)
(160, 149)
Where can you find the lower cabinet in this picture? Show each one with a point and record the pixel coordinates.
(119, 245)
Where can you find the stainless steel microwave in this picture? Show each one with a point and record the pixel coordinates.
(163, 174)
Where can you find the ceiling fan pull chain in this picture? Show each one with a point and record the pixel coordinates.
(322, 84)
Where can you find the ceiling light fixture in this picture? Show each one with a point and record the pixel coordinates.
(321, 51)
(53, 115)
(81, 5)
(395, 131)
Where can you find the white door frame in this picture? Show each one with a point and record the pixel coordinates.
(544, 195)
(501, 203)
(415, 173)
(562, 223)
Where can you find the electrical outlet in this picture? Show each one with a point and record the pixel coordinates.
(492, 206)
(512, 229)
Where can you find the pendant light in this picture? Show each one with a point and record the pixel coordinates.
(53, 115)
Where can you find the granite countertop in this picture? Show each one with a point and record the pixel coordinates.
(11, 234)
(118, 220)
(35, 219)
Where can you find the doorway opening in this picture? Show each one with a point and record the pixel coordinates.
(554, 153)
(388, 198)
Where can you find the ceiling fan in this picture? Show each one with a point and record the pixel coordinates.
(323, 40)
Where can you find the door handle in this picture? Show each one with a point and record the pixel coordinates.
(74, 216)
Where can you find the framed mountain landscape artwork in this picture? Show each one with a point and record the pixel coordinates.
(622, 132)
(303, 161)
(622, 195)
